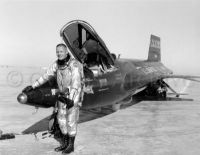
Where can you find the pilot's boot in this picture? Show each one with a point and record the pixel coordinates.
(64, 143)
(70, 147)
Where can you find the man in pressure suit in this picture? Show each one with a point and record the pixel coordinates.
(69, 75)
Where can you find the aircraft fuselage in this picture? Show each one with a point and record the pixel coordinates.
(129, 77)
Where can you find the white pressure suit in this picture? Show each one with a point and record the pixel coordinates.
(69, 79)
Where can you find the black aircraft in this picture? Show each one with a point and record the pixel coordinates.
(109, 80)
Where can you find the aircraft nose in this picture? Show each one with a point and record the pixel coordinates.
(22, 98)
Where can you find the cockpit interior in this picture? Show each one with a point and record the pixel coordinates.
(89, 49)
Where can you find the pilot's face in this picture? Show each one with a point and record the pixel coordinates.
(61, 52)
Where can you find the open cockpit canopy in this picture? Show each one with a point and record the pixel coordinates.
(85, 44)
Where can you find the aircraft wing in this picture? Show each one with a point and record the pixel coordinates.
(186, 77)
(85, 115)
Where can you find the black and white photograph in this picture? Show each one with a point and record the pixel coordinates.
(99, 77)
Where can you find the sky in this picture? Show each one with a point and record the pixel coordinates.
(29, 30)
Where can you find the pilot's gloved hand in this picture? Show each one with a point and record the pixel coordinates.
(67, 101)
(27, 89)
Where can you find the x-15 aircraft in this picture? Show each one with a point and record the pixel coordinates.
(109, 81)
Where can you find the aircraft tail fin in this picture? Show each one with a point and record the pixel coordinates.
(154, 49)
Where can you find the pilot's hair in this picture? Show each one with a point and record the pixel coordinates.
(61, 44)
